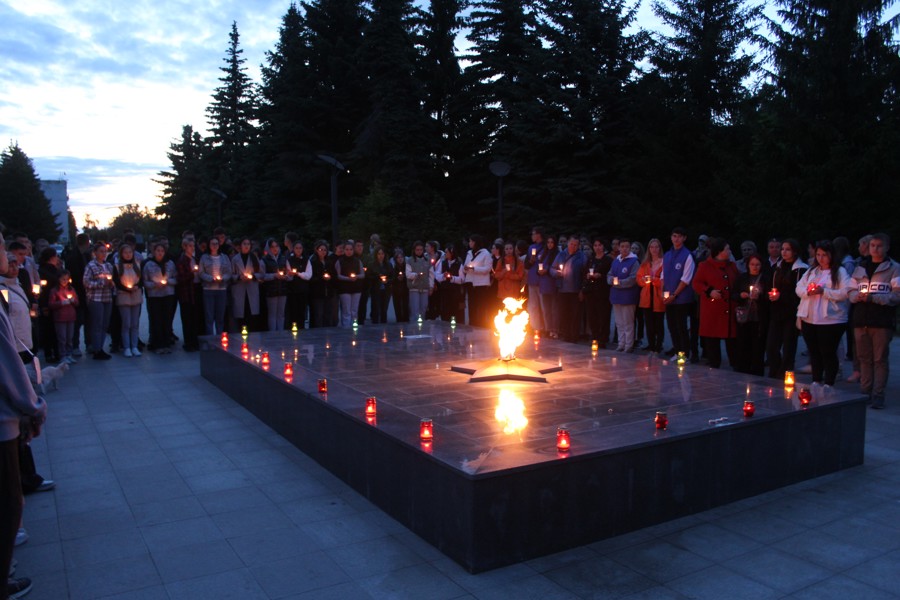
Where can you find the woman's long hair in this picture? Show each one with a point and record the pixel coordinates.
(835, 267)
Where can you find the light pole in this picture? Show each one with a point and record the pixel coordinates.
(336, 168)
(222, 197)
(500, 169)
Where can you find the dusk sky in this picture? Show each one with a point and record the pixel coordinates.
(94, 91)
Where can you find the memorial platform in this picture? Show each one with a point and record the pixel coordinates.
(487, 498)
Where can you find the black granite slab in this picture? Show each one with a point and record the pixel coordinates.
(487, 498)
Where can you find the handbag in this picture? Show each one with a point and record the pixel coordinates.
(742, 313)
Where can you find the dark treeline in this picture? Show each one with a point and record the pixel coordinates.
(605, 128)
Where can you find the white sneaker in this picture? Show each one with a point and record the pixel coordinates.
(127, 353)
(21, 536)
(135, 352)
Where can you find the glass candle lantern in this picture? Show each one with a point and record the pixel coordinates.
(805, 396)
(224, 340)
(264, 361)
(244, 332)
(245, 350)
(323, 386)
(426, 430)
(788, 379)
(661, 420)
(563, 439)
(371, 406)
(749, 408)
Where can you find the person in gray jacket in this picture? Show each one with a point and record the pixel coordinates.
(22, 412)
(875, 295)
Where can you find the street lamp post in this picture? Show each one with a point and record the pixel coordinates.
(500, 169)
(336, 168)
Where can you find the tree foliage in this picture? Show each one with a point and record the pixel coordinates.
(717, 125)
(23, 205)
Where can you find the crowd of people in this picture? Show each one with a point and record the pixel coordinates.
(617, 293)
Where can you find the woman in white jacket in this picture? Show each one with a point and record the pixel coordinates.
(823, 312)
(477, 274)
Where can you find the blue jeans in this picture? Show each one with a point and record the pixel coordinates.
(349, 308)
(275, 306)
(214, 310)
(131, 322)
(418, 304)
(99, 314)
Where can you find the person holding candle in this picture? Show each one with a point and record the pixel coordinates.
(678, 295)
(509, 273)
(595, 292)
(159, 284)
(624, 293)
(714, 283)
(379, 278)
(298, 286)
(98, 286)
(400, 288)
(350, 281)
(651, 302)
(129, 298)
(247, 271)
(823, 311)
(320, 287)
(276, 274)
(548, 287)
(434, 255)
(568, 269)
(534, 256)
(751, 333)
(875, 294)
(49, 267)
(477, 272)
(215, 272)
(189, 294)
(62, 301)
(450, 286)
(420, 281)
(781, 339)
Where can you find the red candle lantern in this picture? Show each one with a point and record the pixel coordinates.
(323, 386)
(371, 406)
(811, 288)
(749, 408)
(245, 350)
(563, 439)
(426, 430)
(805, 396)
(264, 361)
(289, 377)
(224, 340)
(774, 294)
(288, 369)
(661, 420)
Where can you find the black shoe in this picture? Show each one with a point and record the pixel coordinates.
(17, 588)
(101, 355)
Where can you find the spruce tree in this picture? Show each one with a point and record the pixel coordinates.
(23, 205)
(231, 116)
(185, 203)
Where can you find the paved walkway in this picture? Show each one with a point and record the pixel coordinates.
(169, 490)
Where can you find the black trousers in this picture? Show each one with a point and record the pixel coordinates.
(677, 316)
(822, 342)
(599, 311)
(380, 300)
(567, 307)
(297, 307)
(751, 347)
(655, 329)
(10, 502)
(713, 349)
(781, 345)
(159, 311)
(192, 323)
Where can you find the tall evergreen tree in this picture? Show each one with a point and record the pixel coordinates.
(23, 205)
(185, 203)
(592, 62)
(231, 116)
(509, 113)
(828, 125)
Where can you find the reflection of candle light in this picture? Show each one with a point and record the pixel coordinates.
(323, 386)
(426, 429)
(224, 340)
(288, 369)
(265, 361)
(788, 379)
(245, 350)
(749, 408)
(371, 406)
(661, 420)
(563, 440)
